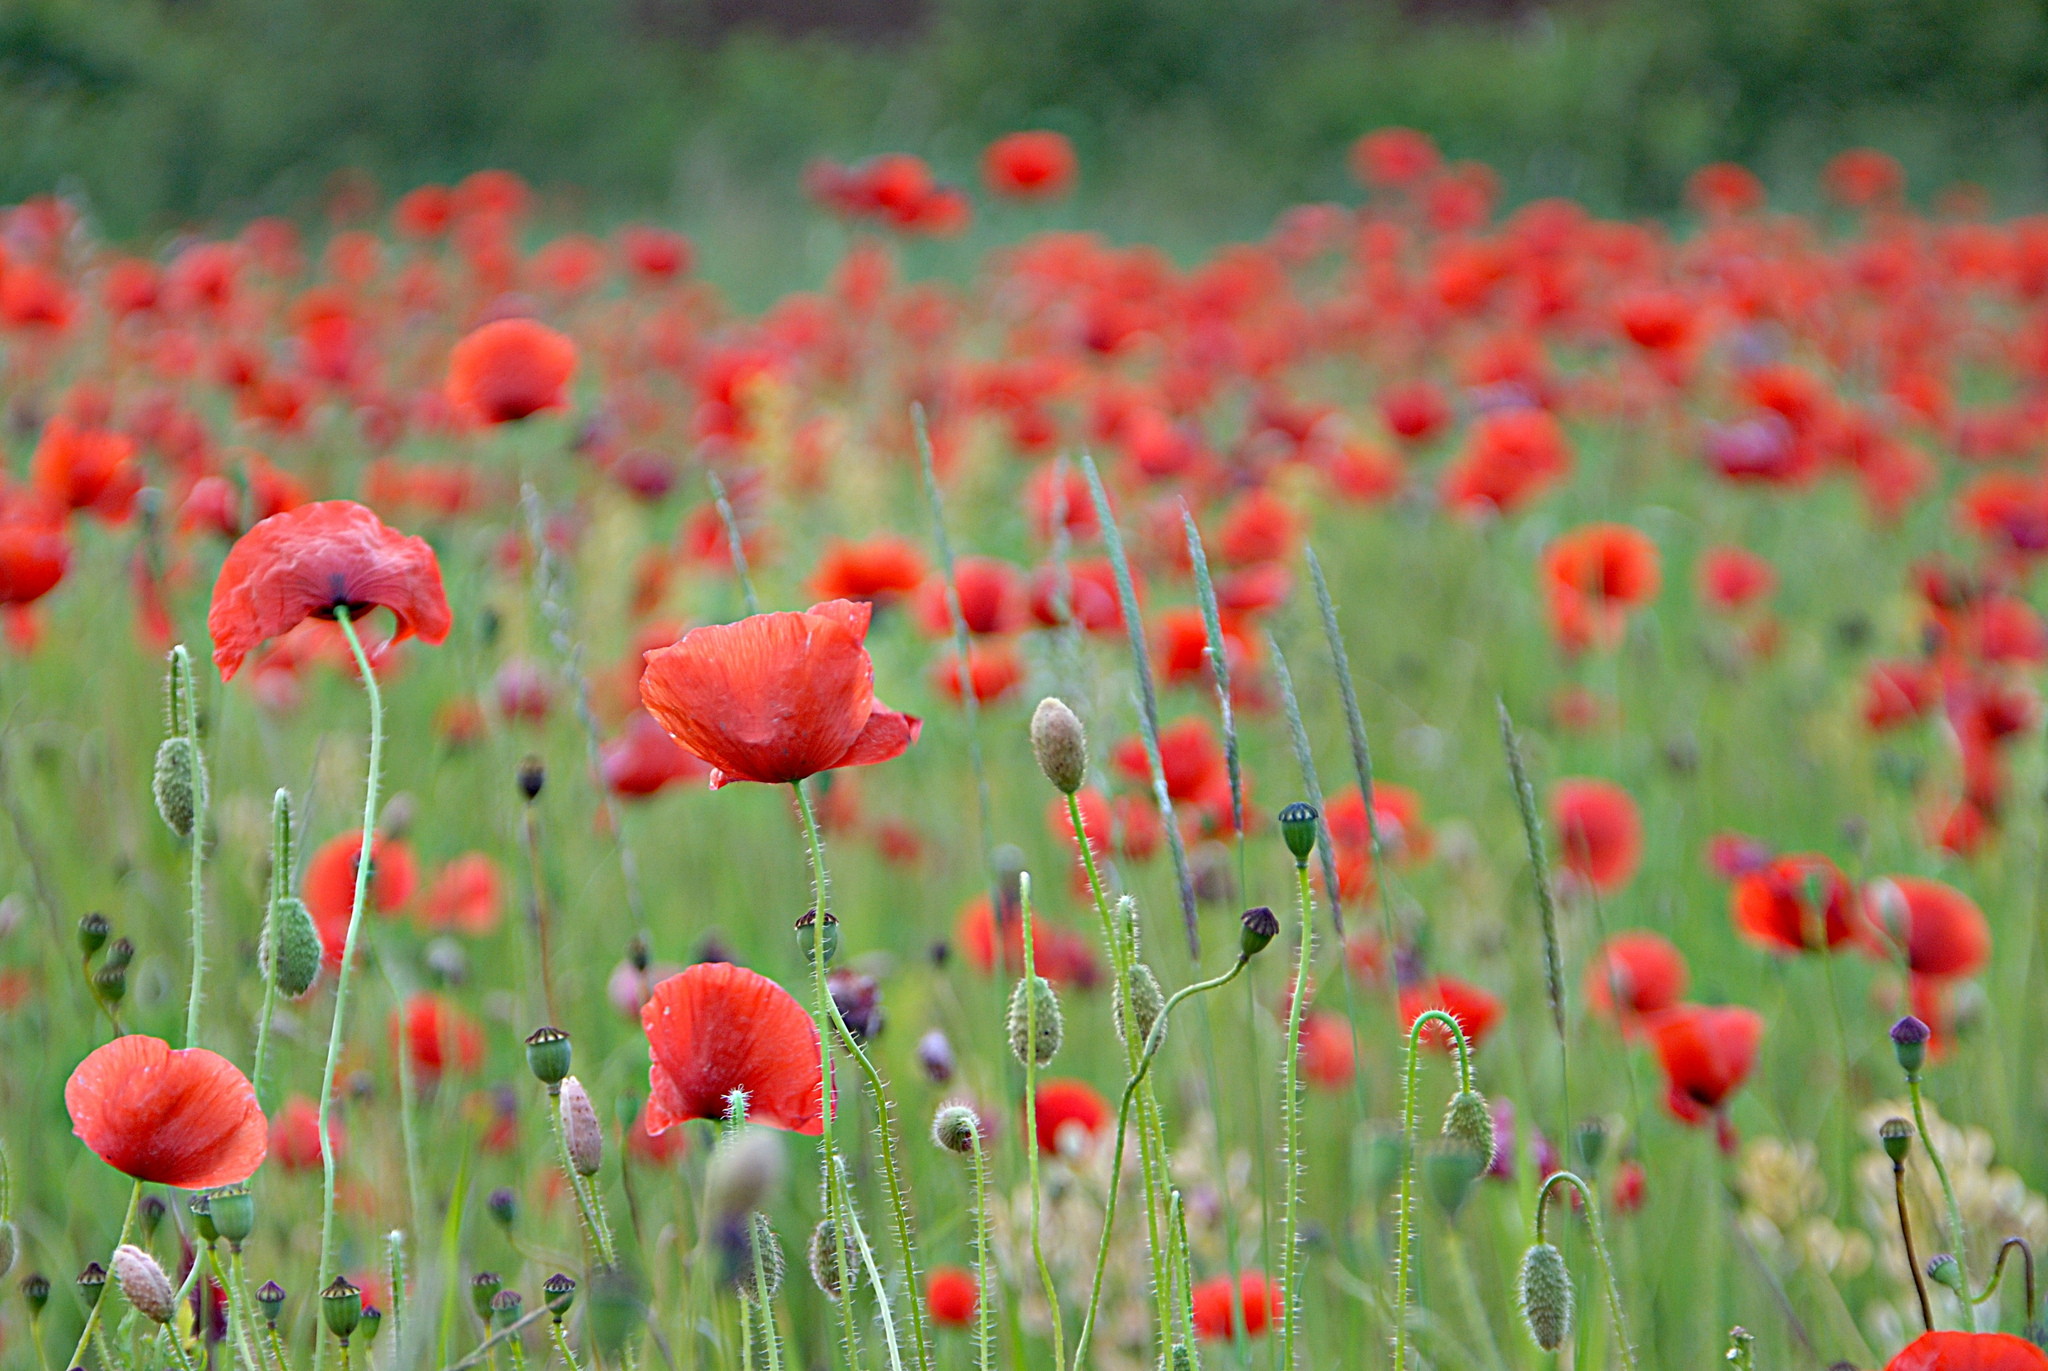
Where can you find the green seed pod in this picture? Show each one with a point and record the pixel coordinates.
(202, 1219)
(548, 1055)
(120, 952)
(1147, 1002)
(91, 1282)
(93, 931)
(270, 1298)
(807, 936)
(1448, 1169)
(483, 1287)
(179, 784)
(1469, 1122)
(234, 1213)
(1298, 827)
(1260, 927)
(762, 1241)
(1034, 998)
(1897, 1137)
(1909, 1041)
(1943, 1269)
(956, 1127)
(505, 1307)
(1546, 1294)
(1060, 744)
(341, 1307)
(296, 964)
(1591, 1139)
(110, 983)
(560, 1292)
(503, 1205)
(832, 1263)
(373, 1319)
(35, 1291)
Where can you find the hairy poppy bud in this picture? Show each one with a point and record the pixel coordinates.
(1897, 1137)
(581, 1132)
(234, 1213)
(91, 1282)
(807, 936)
(1060, 743)
(742, 1169)
(935, 1055)
(1260, 927)
(1448, 1169)
(202, 1219)
(1546, 1295)
(1469, 1123)
(503, 1206)
(35, 1290)
(533, 774)
(1298, 827)
(1036, 1029)
(144, 1283)
(1147, 1002)
(93, 931)
(483, 1288)
(548, 1055)
(179, 784)
(341, 1307)
(560, 1292)
(295, 963)
(505, 1306)
(752, 1242)
(1909, 1041)
(270, 1298)
(373, 1319)
(833, 1262)
(956, 1127)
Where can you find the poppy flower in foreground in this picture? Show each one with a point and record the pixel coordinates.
(1942, 929)
(1799, 903)
(1072, 1112)
(308, 562)
(952, 1295)
(1968, 1352)
(1258, 1302)
(1599, 831)
(510, 369)
(717, 1028)
(183, 1118)
(1706, 1052)
(776, 697)
(1475, 1010)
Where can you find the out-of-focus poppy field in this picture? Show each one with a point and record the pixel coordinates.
(1457, 783)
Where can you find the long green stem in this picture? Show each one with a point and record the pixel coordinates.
(1468, 1294)
(1948, 1194)
(92, 1317)
(867, 1261)
(1404, 1217)
(364, 859)
(561, 1341)
(280, 886)
(892, 1176)
(1290, 1124)
(1592, 1207)
(182, 683)
(984, 1323)
(822, 1009)
(238, 1310)
(1030, 973)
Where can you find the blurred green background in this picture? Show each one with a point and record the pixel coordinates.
(1196, 119)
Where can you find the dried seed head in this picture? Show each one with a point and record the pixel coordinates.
(581, 1131)
(1897, 1137)
(744, 1243)
(1060, 743)
(743, 1168)
(1033, 1005)
(295, 962)
(549, 1054)
(341, 1307)
(956, 1127)
(144, 1283)
(1147, 1002)
(1298, 827)
(1469, 1122)
(833, 1263)
(1261, 926)
(179, 784)
(1546, 1294)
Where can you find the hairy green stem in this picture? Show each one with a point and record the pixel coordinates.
(826, 1014)
(984, 1323)
(92, 1317)
(1948, 1195)
(1290, 1126)
(182, 684)
(1404, 1217)
(280, 887)
(1030, 974)
(1613, 1286)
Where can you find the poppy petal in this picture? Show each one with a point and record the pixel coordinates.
(183, 1118)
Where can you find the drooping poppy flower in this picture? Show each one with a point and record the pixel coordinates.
(1640, 970)
(307, 562)
(184, 1118)
(1037, 164)
(510, 369)
(1069, 1111)
(437, 1037)
(1706, 1052)
(718, 1027)
(1943, 931)
(467, 896)
(1599, 831)
(1475, 1010)
(1798, 903)
(329, 885)
(1256, 1298)
(951, 1296)
(776, 697)
(295, 1135)
(1949, 1351)
(876, 569)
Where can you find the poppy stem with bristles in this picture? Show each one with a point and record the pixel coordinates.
(984, 1322)
(186, 716)
(1948, 1194)
(92, 1317)
(365, 857)
(1030, 971)
(1613, 1287)
(280, 888)
(1404, 1216)
(899, 1202)
(1290, 1127)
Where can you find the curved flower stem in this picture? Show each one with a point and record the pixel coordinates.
(186, 716)
(280, 887)
(825, 1013)
(1290, 1126)
(1557, 1178)
(1912, 1257)
(364, 859)
(1116, 1156)
(92, 1317)
(1998, 1272)
(1404, 1217)
(1052, 1292)
(1948, 1193)
(984, 1323)
(867, 1260)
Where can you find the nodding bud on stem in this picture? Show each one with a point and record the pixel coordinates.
(1036, 1029)
(341, 1307)
(1897, 1137)
(1146, 1000)
(179, 784)
(1469, 1123)
(1546, 1294)
(548, 1055)
(533, 774)
(294, 964)
(1060, 743)
(742, 1169)
(1298, 827)
(1260, 927)
(1909, 1041)
(956, 1127)
(144, 1283)
(748, 1242)
(559, 1291)
(581, 1131)
(833, 1261)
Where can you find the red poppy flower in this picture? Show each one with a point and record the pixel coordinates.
(1034, 165)
(1189, 757)
(951, 1295)
(871, 570)
(991, 598)
(437, 1036)
(1599, 831)
(776, 697)
(1091, 601)
(182, 1118)
(1392, 158)
(295, 1135)
(86, 468)
(1706, 1053)
(1724, 188)
(1798, 903)
(717, 1028)
(1475, 1010)
(307, 562)
(994, 672)
(1074, 1109)
(1943, 930)
(467, 896)
(1415, 411)
(1511, 457)
(1329, 1057)
(1732, 577)
(656, 254)
(329, 885)
(1968, 1352)
(1258, 1304)
(509, 370)
(34, 553)
(643, 759)
(656, 1149)
(1895, 693)
(1062, 956)
(1641, 969)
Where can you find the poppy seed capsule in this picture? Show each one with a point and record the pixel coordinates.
(548, 1055)
(1897, 1137)
(1546, 1294)
(1261, 926)
(1943, 1269)
(1909, 1041)
(559, 1291)
(91, 1282)
(533, 774)
(1298, 828)
(151, 1211)
(1591, 1139)
(178, 784)
(35, 1290)
(120, 952)
(956, 1128)
(270, 1298)
(581, 1132)
(807, 936)
(296, 962)
(93, 931)
(1033, 999)
(483, 1287)
(373, 1319)
(202, 1220)
(234, 1213)
(110, 983)
(503, 1206)
(505, 1307)
(1147, 1002)
(144, 1283)
(1060, 744)
(341, 1307)
(1469, 1123)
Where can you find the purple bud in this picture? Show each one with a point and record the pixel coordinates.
(935, 1055)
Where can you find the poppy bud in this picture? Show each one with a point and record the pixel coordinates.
(296, 964)
(548, 1055)
(119, 953)
(560, 1292)
(1909, 1041)
(91, 1282)
(270, 1298)
(110, 983)
(533, 774)
(1943, 1269)
(234, 1213)
(956, 1127)
(755, 1239)
(151, 1212)
(35, 1289)
(10, 1245)
(1298, 827)
(144, 1283)
(92, 932)
(202, 1219)
(373, 1319)
(1147, 1003)
(505, 1307)
(1897, 1137)
(1033, 1000)
(831, 1262)
(1591, 1138)
(341, 1306)
(581, 1132)
(1261, 926)
(1469, 1122)
(1060, 743)
(503, 1205)
(935, 1055)
(742, 1169)
(483, 1288)
(178, 784)
(807, 936)
(1546, 1294)
(639, 954)
(1448, 1169)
